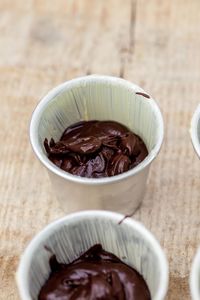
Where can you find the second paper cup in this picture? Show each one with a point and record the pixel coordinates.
(71, 236)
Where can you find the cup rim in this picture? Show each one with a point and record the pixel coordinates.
(84, 180)
(24, 265)
(193, 130)
(194, 276)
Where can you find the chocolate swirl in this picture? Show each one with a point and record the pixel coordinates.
(97, 274)
(96, 149)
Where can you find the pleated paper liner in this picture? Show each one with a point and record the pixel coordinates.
(71, 236)
(98, 98)
(195, 130)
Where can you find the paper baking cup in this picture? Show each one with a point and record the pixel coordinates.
(97, 98)
(71, 236)
(195, 277)
(195, 130)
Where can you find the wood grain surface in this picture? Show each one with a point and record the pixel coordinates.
(153, 43)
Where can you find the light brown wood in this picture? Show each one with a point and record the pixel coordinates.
(152, 43)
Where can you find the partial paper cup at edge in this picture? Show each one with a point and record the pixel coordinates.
(195, 130)
(195, 277)
(73, 235)
(97, 98)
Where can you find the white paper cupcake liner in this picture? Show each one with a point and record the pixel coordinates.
(195, 130)
(71, 236)
(195, 277)
(101, 98)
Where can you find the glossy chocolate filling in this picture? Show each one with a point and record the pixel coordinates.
(96, 274)
(96, 149)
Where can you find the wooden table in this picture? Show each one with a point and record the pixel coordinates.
(155, 44)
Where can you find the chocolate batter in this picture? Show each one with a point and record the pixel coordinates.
(96, 149)
(97, 274)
